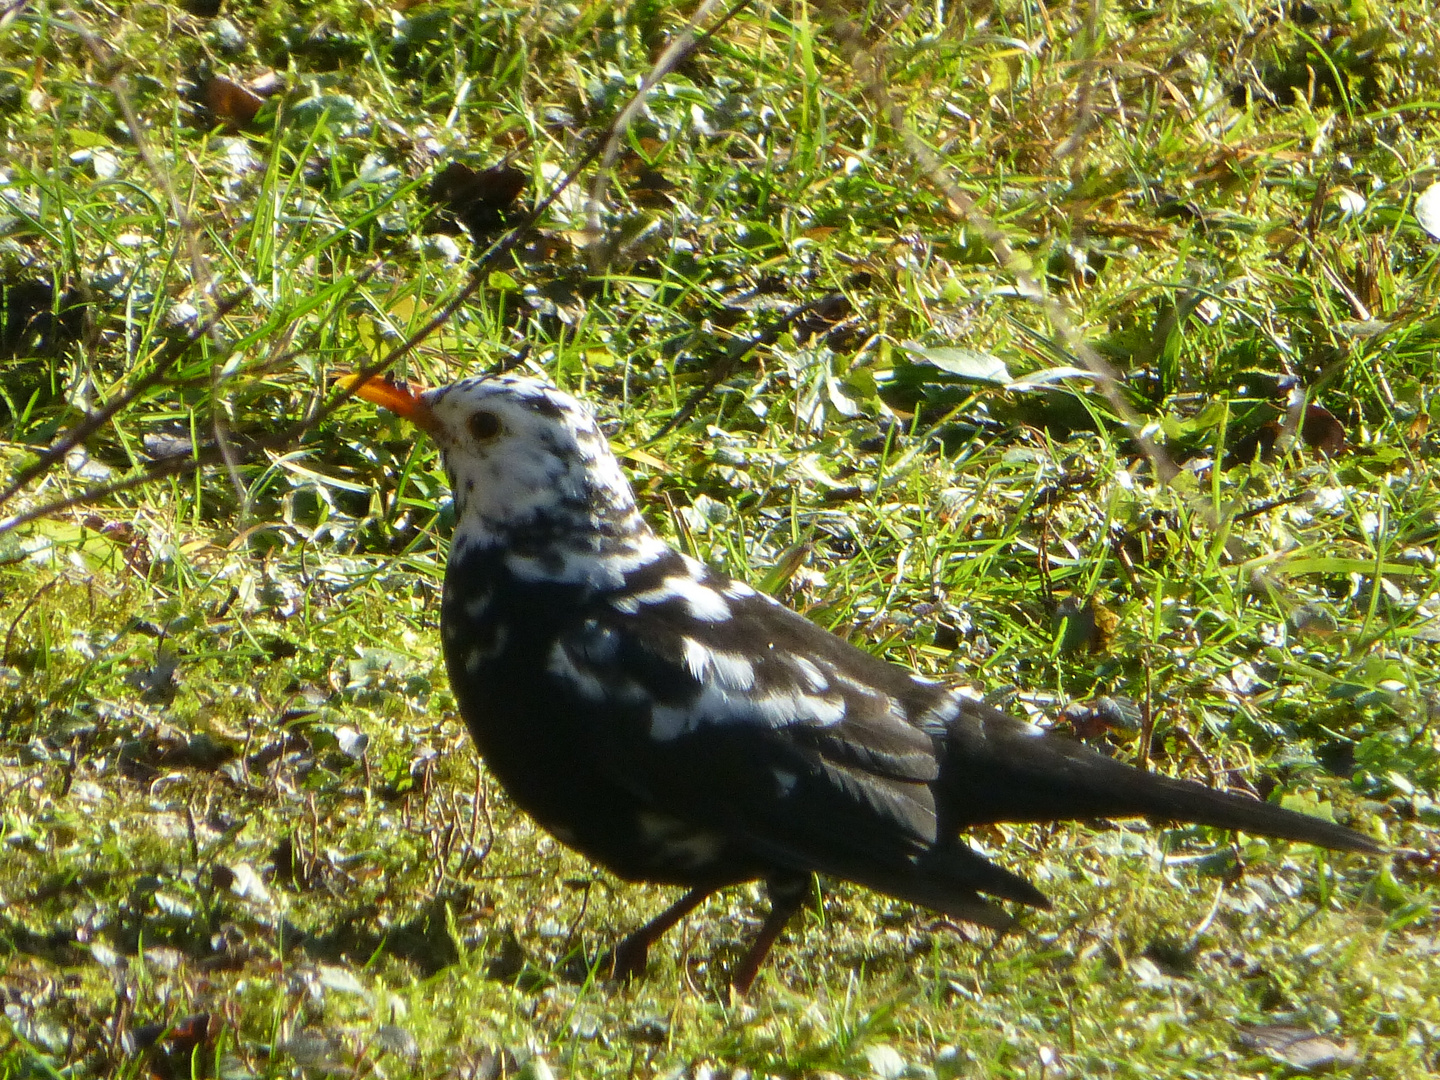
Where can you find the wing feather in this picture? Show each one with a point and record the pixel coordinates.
(760, 723)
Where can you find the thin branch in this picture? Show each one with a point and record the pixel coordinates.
(722, 370)
(199, 263)
(294, 432)
(1084, 105)
(94, 421)
(674, 55)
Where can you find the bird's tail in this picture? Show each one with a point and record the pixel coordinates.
(999, 769)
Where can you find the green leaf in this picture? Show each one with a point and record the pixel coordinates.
(1306, 803)
(967, 363)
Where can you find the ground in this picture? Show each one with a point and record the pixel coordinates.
(244, 831)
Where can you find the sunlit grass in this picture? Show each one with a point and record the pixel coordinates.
(232, 781)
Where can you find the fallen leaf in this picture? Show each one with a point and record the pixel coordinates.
(229, 101)
(1427, 210)
(1322, 431)
(1089, 625)
(1299, 1048)
(967, 363)
(479, 200)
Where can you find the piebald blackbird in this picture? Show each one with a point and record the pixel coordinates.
(677, 726)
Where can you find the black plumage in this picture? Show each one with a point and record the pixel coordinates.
(678, 727)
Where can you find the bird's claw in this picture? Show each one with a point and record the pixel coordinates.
(627, 961)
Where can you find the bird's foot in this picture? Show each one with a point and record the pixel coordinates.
(627, 960)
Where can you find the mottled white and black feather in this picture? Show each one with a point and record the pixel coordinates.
(677, 726)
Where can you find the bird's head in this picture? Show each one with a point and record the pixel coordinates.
(527, 463)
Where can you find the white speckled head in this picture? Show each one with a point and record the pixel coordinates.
(515, 448)
(533, 477)
(533, 473)
(521, 453)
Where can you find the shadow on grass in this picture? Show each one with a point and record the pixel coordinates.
(425, 940)
(218, 943)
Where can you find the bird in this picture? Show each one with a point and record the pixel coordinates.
(678, 726)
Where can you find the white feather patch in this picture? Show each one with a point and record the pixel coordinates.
(480, 654)
(731, 670)
(815, 679)
(563, 666)
(601, 572)
(701, 601)
(715, 707)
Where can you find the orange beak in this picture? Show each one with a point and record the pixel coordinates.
(389, 394)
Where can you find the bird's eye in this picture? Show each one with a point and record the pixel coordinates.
(484, 426)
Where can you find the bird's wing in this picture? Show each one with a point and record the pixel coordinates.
(732, 711)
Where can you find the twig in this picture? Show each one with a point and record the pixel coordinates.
(1084, 107)
(92, 422)
(292, 432)
(727, 365)
(199, 264)
(1272, 504)
(675, 54)
(36, 595)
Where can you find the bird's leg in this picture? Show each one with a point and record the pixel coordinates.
(628, 958)
(787, 896)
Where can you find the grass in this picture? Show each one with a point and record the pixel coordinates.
(244, 832)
